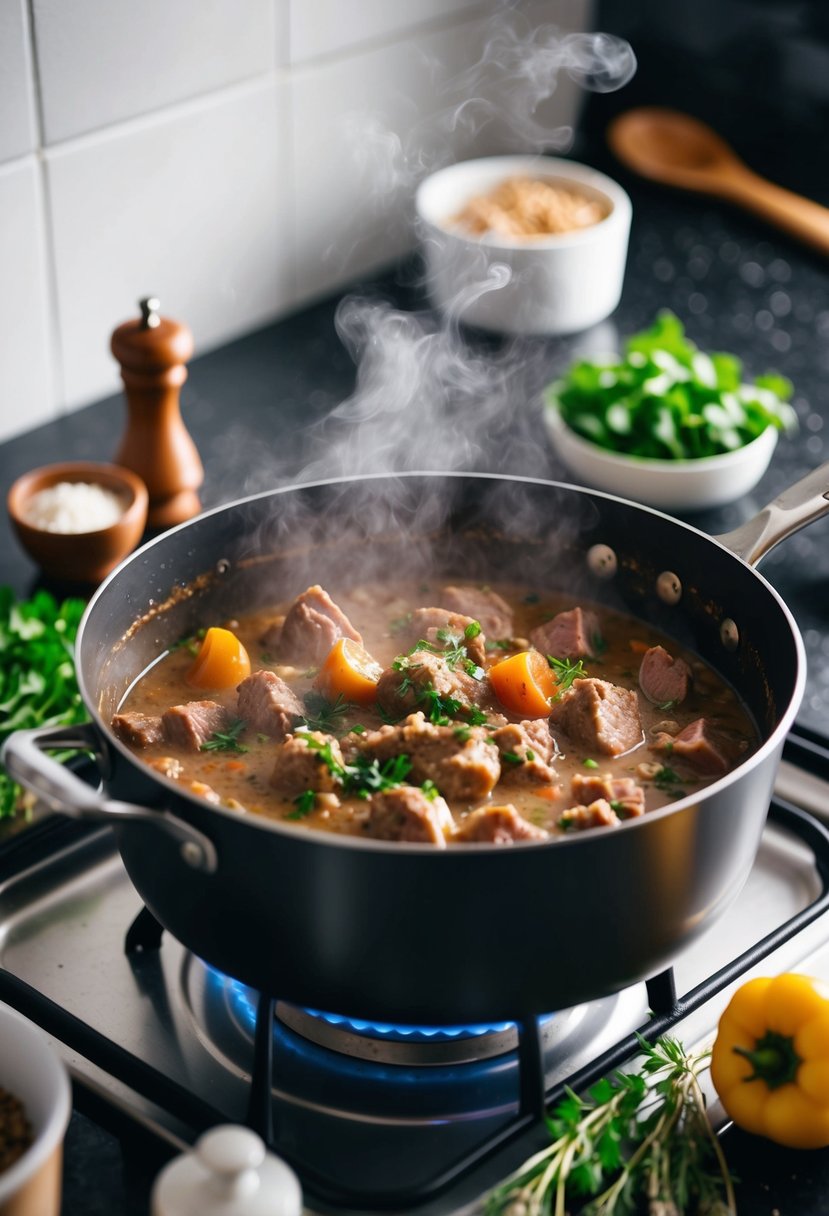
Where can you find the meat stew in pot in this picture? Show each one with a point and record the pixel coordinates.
(435, 713)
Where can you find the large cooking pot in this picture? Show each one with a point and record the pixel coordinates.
(404, 931)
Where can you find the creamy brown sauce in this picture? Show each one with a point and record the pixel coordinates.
(242, 779)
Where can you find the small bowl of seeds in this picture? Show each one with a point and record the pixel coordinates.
(35, 1105)
(523, 244)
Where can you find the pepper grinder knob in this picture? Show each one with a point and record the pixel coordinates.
(153, 351)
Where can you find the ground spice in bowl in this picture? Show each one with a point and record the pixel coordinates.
(16, 1134)
(532, 207)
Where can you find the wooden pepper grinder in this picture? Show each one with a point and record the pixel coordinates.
(152, 351)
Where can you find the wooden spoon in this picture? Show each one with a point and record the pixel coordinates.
(678, 150)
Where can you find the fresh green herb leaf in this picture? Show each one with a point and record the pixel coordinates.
(400, 623)
(191, 643)
(38, 686)
(667, 777)
(589, 763)
(324, 715)
(512, 758)
(430, 789)
(666, 399)
(364, 777)
(598, 646)
(304, 804)
(566, 671)
(226, 740)
(635, 1141)
(472, 630)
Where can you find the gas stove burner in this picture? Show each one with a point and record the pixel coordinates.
(395, 1044)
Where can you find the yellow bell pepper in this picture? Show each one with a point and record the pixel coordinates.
(770, 1061)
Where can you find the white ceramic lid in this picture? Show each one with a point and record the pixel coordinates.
(228, 1173)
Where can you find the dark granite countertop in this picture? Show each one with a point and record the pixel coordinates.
(277, 407)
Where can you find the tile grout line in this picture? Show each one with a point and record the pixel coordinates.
(57, 370)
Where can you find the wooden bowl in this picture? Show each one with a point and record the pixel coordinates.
(85, 556)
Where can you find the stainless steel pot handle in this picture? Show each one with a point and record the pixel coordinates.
(59, 788)
(802, 503)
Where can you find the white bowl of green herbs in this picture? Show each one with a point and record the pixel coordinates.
(666, 424)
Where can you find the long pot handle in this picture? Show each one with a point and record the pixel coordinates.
(802, 503)
(25, 759)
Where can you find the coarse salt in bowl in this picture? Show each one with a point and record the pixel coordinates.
(78, 520)
(73, 506)
(548, 283)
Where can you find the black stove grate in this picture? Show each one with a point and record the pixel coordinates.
(533, 1098)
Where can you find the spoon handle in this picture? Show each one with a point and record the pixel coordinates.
(796, 215)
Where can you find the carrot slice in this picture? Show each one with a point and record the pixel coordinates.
(222, 661)
(524, 683)
(350, 672)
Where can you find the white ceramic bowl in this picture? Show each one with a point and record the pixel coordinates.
(673, 485)
(31, 1071)
(554, 284)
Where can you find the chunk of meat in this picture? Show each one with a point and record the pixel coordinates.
(700, 747)
(663, 679)
(441, 627)
(492, 613)
(461, 761)
(599, 716)
(406, 813)
(300, 766)
(267, 704)
(569, 635)
(525, 752)
(599, 814)
(312, 625)
(497, 825)
(626, 796)
(138, 730)
(191, 725)
(425, 680)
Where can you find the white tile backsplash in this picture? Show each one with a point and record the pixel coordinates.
(189, 207)
(368, 127)
(26, 396)
(327, 27)
(102, 61)
(17, 116)
(236, 159)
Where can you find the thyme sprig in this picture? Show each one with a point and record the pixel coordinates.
(364, 777)
(453, 649)
(226, 740)
(566, 671)
(324, 715)
(639, 1137)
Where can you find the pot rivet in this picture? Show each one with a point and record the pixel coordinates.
(729, 634)
(602, 561)
(192, 854)
(668, 587)
(222, 565)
